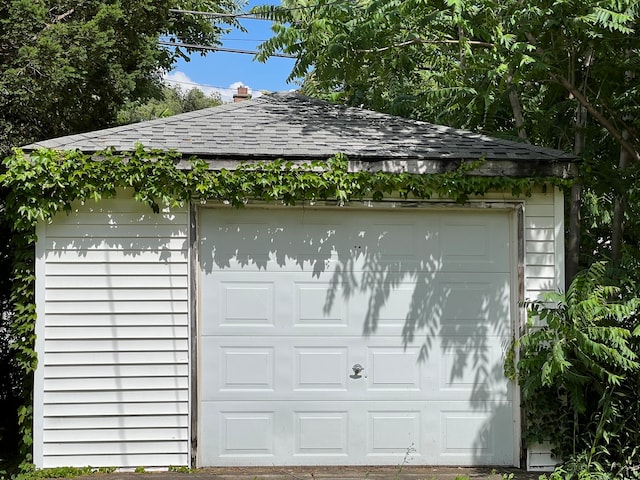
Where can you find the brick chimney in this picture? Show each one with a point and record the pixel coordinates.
(242, 95)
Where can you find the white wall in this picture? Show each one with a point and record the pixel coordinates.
(544, 244)
(544, 272)
(112, 293)
(112, 383)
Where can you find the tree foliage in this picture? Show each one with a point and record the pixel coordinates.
(580, 374)
(561, 74)
(558, 73)
(455, 61)
(69, 66)
(174, 100)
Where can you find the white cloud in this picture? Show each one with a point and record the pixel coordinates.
(182, 80)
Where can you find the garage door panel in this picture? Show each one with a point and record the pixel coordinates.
(474, 241)
(246, 368)
(394, 433)
(435, 244)
(357, 432)
(477, 370)
(309, 368)
(369, 244)
(321, 433)
(246, 433)
(321, 368)
(351, 260)
(442, 304)
(319, 304)
(394, 368)
(292, 299)
(246, 303)
(474, 437)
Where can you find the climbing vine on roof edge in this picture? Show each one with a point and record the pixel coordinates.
(46, 182)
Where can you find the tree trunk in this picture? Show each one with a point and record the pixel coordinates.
(575, 202)
(573, 240)
(516, 107)
(617, 227)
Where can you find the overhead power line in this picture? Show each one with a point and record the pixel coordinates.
(233, 39)
(218, 15)
(221, 49)
(249, 15)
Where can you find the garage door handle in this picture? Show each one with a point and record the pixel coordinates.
(357, 368)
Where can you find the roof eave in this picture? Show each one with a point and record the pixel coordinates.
(565, 168)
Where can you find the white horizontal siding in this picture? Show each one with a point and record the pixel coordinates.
(102, 307)
(118, 408)
(100, 345)
(544, 244)
(142, 292)
(114, 282)
(115, 269)
(112, 358)
(118, 331)
(124, 396)
(121, 217)
(134, 234)
(125, 460)
(117, 434)
(97, 319)
(115, 383)
(131, 423)
(113, 303)
(60, 244)
(115, 371)
(118, 255)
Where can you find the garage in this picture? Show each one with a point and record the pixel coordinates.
(356, 336)
(355, 328)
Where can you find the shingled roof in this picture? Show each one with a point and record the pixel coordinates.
(298, 128)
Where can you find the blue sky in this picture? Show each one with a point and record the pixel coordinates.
(223, 72)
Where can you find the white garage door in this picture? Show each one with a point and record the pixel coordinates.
(295, 301)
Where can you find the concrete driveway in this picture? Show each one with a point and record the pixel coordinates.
(337, 473)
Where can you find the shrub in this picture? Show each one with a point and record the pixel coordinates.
(580, 377)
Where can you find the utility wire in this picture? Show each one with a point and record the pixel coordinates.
(221, 49)
(232, 39)
(249, 15)
(219, 15)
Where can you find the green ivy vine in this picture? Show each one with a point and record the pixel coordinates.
(46, 182)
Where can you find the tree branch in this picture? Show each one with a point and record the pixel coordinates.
(421, 41)
(61, 17)
(55, 20)
(602, 120)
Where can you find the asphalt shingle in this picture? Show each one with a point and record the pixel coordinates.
(293, 126)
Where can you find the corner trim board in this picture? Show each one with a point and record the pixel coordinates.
(193, 336)
(38, 383)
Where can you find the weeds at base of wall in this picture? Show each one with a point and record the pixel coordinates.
(180, 469)
(28, 471)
